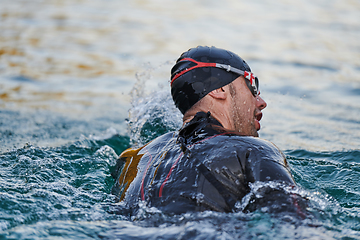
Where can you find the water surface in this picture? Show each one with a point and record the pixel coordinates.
(82, 80)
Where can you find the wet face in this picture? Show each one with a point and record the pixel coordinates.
(245, 108)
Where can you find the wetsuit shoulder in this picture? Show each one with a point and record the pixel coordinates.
(259, 159)
(227, 163)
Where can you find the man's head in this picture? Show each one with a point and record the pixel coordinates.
(221, 82)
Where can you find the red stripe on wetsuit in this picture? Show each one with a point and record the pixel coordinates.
(177, 160)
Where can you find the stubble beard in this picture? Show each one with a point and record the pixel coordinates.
(238, 120)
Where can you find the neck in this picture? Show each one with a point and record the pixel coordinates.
(223, 119)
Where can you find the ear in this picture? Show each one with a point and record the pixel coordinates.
(219, 93)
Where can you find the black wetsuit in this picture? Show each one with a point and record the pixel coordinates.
(202, 167)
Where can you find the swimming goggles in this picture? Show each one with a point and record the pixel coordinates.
(252, 83)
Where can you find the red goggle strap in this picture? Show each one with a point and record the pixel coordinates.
(199, 65)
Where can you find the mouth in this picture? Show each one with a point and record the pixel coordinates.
(258, 117)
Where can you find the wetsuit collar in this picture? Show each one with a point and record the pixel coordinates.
(203, 117)
(194, 130)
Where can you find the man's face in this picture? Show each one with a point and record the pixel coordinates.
(245, 108)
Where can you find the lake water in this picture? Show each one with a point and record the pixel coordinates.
(82, 80)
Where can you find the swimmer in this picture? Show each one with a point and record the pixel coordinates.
(209, 163)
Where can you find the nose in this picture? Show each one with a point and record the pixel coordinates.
(260, 103)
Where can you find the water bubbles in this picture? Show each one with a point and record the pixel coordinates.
(108, 154)
(151, 116)
(200, 198)
(145, 212)
(152, 111)
(4, 225)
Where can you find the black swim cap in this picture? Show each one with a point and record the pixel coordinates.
(195, 74)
